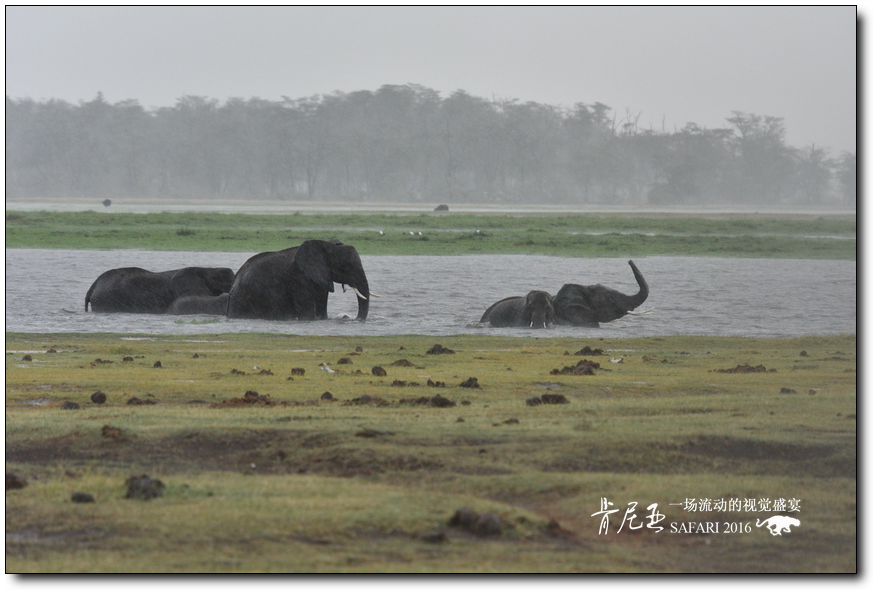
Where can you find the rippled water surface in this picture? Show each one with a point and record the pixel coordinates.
(442, 295)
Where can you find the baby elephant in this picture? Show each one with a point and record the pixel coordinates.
(199, 304)
(534, 310)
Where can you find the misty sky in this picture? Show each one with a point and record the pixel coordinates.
(669, 65)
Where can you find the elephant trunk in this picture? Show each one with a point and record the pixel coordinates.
(635, 301)
(537, 320)
(362, 290)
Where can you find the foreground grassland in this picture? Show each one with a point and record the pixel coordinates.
(368, 482)
(578, 235)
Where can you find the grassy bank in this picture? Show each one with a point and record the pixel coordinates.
(578, 235)
(289, 480)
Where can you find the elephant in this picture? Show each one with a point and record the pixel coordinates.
(294, 283)
(534, 310)
(199, 304)
(136, 290)
(589, 305)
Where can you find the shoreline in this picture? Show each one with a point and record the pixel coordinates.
(262, 207)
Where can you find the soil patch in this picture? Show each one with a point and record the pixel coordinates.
(251, 398)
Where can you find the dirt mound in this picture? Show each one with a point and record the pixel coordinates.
(143, 487)
(135, 401)
(440, 349)
(482, 525)
(583, 367)
(113, 433)
(251, 398)
(13, 482)
(588, 351)
(436, 401)
(371, 433)
(367, 400)
(746, 369)
(548, 398)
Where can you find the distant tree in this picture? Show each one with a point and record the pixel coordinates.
(405, 143)
(813, 175)
(763, 164)
(847, 178)
(691, 164)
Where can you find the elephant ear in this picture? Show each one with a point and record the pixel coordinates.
(312, 260)
(575, 305)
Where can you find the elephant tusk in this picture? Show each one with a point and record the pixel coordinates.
(359, 294)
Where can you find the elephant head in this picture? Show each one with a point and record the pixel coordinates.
(534, 310)
(589, 305)
(326, 263)
(538, 309)
(294, 283)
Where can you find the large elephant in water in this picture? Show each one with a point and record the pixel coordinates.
(588, 306)
(294, 283)
(136, 290)
(199, 304)
(534, 310)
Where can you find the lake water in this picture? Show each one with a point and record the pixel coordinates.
(444, 295)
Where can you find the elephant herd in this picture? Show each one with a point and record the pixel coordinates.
(574, 305)
(291, 284)
(294, 284)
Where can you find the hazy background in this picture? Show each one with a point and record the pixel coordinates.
(663, 106)
(672, 65)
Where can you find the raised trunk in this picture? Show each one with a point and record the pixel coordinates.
(635, 301)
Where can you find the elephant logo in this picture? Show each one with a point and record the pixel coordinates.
(779, 524)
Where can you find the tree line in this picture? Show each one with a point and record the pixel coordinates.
(407, 144)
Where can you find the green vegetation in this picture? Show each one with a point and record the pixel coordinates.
(293, 482)
(577, 235)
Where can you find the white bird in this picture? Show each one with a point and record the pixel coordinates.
(618, 360)
(419, 233)
(326, 369)
(256, 368)
(412, 233)
(381, 233)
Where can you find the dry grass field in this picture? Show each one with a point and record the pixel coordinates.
(274, 453)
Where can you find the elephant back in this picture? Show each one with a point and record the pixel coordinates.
(200, 281)
(261, 287)
(132, 289)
